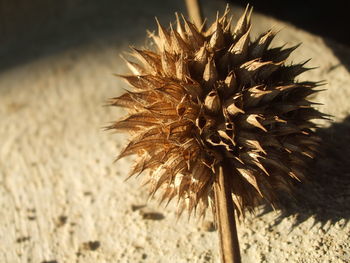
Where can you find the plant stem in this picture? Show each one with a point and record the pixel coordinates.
(225, 217)
(194, 12)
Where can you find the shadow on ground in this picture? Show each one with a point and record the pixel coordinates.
(327, 197)
(318, 17)
(342, 52)
(24, 39)
(323, 18)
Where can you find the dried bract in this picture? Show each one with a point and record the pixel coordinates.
(206, 98)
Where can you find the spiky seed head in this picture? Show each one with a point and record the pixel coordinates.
(202, 99)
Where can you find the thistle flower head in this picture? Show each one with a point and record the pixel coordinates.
(208, 98)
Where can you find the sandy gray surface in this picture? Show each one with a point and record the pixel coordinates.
(62, 199)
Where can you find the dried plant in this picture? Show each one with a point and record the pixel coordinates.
(215, 98)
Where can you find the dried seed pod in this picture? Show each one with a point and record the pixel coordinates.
(203, 98)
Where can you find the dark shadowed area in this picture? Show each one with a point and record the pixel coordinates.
(328, 19)
(31, 29)
(326, 197)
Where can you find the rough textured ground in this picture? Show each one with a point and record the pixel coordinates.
(62, 199)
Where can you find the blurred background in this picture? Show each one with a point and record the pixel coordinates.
(26, 27)
(325, 18)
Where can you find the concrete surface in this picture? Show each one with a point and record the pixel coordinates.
(63, 200)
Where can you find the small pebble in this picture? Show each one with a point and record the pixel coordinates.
(91, 245)
(208, 226)
(152, 216)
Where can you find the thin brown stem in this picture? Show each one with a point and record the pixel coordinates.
(194, 12)
(225, 217)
